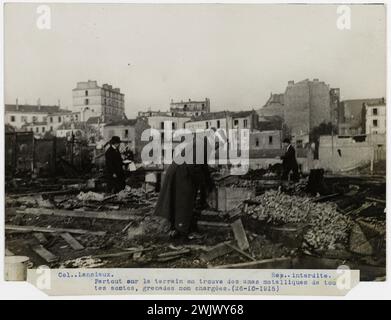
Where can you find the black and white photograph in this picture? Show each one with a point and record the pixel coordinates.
(195, 136)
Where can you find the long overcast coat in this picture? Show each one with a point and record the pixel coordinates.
(177, 197)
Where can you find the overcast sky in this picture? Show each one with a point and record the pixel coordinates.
(234, 54)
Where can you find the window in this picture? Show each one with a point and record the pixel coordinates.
(43, 129)
(24, 119)
(59, 119)
(245, 123)
(236, 122)
(12, 118)
(161, 125)
(173, 125)
(299, 143)
(257, 142)
(51, 128)
(105, 101)
(86, 92)
(37, 129)
(51, 119)
(34, 118)
(218, 123)
(270, 139)
(86, 102)
(374, 111)
(207, 125)
(126, 133)
(374, 122)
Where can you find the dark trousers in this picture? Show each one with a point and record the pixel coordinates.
(115, 185)
(286, 171)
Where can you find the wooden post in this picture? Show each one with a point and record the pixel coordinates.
(15, 155)
(72, 143)
(54, 156)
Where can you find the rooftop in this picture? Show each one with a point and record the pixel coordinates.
(222, 114)
(26, 108)
(123, 122)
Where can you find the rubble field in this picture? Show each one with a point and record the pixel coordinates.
(74, 224)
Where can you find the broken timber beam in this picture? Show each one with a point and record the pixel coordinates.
(278, 263)
(45, 193)
(210, 224)
(44, 254)
(53, 230)
(241, 252)
(376, 200)
(75, 245)
(217, 251)
(326, 197)
(240, 235)
(109, 215)
(40, 237)
(8, 252)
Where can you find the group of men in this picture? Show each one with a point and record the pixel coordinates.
(185, 187)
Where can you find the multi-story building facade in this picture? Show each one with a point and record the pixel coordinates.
(224, 120)
(190, 107)
(375, 118)
(308, 104)
(353, 115)
(104, 101)
(18, 116)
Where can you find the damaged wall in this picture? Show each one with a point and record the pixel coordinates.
(343, 154)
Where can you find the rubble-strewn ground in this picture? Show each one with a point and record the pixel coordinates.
(283, 226)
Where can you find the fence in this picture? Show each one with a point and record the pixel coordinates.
(51, 156)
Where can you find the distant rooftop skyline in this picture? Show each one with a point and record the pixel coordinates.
(235, 55)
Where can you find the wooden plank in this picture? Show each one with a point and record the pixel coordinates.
(217, 251)
(52, 230)
(325, 198)
(122, 253)
(46, 193)
(45, 254)
(40, 237)
(8, 252)
(240, 235)
(278, 263)
(174, 253)
(75, 245)
(241, 252)
(109, 215)
(210, 224)
(376, 200)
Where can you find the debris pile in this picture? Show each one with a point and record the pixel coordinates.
(326, 226)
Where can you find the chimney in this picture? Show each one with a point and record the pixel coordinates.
(316, 80)
(59, 103)
(17, 105)
(39, 104)
(291, 83)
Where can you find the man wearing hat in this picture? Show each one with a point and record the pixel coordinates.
(289, 162)
(114, 169)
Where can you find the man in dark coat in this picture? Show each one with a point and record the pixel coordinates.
(178, 194)
(177, 198)
(114, 166)
(289, 162)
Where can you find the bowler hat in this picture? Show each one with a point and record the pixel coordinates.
(115, 139)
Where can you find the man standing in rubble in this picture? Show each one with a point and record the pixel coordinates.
(289, 162)
(114, 166)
